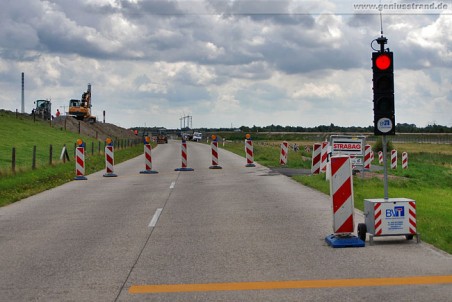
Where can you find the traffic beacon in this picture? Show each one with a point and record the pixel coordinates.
(383, 88)
(386, 216)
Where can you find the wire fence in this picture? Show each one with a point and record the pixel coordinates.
(49, 155)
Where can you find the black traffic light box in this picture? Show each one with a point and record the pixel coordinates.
(383, 87)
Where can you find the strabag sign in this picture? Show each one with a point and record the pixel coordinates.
(347, 146)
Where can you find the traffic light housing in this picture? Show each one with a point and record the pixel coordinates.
(383, 87)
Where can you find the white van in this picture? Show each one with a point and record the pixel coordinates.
(197, 136)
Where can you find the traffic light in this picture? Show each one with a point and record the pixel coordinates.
(383, 86)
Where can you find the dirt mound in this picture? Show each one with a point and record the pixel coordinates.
(96, 130)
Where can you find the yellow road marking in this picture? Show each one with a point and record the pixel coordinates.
(236, 286)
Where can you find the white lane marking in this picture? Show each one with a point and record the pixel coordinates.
(155, 218)
(172, 185)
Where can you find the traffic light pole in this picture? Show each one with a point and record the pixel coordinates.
(385, 166)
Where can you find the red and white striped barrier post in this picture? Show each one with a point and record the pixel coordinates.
(380, 157)
(284, 153)
(323, 157)
(109, 158)
(249, 150)
(404, 160)
(80, 161)
(316, 153)
(367, 157)
(341, 191)
(148, 157)
(214, 146)
(393, 159)
(184, 158)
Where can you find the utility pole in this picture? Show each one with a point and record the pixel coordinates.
(23, 93)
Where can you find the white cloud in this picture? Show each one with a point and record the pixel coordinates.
(150, 63)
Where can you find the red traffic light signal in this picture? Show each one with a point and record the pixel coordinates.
(383, 88)
(383, 61)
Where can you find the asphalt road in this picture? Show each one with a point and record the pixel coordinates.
(256, 230)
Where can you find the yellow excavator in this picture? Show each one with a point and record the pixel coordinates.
(81, 109)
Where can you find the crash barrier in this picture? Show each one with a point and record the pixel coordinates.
(316, 153)
(184, 166)
(284, 153)
(214, 147)
(393, 159)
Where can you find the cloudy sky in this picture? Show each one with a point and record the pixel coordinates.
(226, 63)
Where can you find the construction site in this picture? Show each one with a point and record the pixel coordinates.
(79, 119)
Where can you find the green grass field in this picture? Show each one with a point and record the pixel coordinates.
(23, 133)
(428, 180)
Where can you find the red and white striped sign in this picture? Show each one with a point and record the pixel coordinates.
(380, 157)
(249, 153)
(184, 154)
(148, 157)
(214, 146)
(284, 153)
(404, 160)
(109, 160)
(378, 219)
(412, 217)
(341, 191)
(393, 159)
(316, 153)
(367, 157)
(324, 157)
(80, 162)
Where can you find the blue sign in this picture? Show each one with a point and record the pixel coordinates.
(398, 211)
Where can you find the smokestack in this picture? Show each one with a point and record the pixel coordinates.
(23, 93)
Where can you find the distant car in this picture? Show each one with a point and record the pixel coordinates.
(197, 136)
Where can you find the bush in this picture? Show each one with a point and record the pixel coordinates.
(378, 146)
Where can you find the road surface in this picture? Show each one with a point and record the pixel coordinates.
(235, 234)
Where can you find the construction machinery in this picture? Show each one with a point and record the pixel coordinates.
(43, 109)
(162, 137)
(81, 109)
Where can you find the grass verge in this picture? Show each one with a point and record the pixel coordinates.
(427, 180)
(26, 183)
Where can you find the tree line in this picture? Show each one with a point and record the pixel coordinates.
(401, 128)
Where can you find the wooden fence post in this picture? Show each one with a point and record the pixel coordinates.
(50, 155)
(33, 164)
(13, 160)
